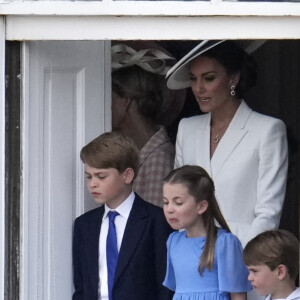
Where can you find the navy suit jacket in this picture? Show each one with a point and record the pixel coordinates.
(142, 258)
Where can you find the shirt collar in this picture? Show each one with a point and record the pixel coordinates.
(123, 209)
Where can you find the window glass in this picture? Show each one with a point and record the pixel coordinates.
(276, 93)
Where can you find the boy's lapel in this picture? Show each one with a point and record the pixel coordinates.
(134, 231)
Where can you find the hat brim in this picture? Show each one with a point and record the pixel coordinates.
(178, 75)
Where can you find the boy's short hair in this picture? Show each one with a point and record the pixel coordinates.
(273, 248)
(112, 150)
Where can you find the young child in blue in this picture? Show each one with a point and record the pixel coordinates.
(205, 262)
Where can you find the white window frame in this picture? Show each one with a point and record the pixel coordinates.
(2, 154)
(101, 20)
(108, 19)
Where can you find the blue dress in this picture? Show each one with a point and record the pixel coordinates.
(229, 273)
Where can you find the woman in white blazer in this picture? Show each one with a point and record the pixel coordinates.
(243, 151)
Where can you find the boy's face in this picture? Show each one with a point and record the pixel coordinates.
(108, 185)
(263, 280)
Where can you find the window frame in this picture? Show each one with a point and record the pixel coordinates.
(94, 20)
(107, 19)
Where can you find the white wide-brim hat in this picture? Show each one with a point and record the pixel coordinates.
(178, 76)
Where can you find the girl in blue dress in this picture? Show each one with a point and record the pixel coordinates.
(204, 261)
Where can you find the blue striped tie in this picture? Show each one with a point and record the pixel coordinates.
(111, 251)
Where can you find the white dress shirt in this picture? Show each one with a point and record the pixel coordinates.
(295, 295)
(120, 223)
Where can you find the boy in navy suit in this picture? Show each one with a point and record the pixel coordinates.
(133, 265)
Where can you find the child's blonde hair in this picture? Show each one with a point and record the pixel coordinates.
(201, 187)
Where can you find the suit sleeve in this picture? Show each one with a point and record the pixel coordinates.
(77, 274)
(272, 177)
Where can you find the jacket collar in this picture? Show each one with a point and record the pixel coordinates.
(232, 137)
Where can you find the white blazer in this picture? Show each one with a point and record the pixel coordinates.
(249, 167)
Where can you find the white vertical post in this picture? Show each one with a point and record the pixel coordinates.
(2, 155)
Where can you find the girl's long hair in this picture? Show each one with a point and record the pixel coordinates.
(201, 187)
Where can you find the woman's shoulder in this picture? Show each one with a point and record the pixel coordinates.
(265, 120)
(264, 126)
(195, 120)
(255, 119)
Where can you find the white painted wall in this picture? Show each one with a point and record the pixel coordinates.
(2, 155)
(66, 105)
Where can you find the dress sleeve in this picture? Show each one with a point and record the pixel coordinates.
(232, 272)
(169, 281)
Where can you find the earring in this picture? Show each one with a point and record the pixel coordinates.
(232, 90)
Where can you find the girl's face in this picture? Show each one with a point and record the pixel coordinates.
(182, 211)
(210, 83)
